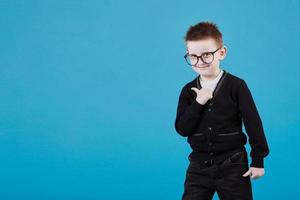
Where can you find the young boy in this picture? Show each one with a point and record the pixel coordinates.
(210, 113)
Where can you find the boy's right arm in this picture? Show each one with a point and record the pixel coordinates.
(188, 114)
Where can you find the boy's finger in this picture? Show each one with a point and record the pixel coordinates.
(247, 173)
(254, 176)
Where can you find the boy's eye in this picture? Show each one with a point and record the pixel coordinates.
(194, 57)
(206, 54)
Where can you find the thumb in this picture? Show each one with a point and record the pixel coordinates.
(247, 173)
(195, 89)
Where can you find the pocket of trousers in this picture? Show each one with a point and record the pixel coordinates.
(238, 158)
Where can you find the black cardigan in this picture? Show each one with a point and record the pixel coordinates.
(214, 130)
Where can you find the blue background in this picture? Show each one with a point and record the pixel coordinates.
(89, 91)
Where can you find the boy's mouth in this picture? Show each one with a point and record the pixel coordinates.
(203, 66)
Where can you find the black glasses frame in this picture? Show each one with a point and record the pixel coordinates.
(212, 52)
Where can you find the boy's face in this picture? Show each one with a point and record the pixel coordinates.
(206, 45)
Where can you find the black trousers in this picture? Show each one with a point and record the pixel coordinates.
(225, 178)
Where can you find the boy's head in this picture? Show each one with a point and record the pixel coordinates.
(205, 39)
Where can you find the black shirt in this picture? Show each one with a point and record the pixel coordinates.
(214, 130)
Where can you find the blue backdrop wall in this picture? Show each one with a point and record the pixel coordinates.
(89, 91)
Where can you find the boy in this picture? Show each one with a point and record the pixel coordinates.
(210, 113)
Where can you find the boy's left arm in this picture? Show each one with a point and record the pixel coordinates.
(253, 126)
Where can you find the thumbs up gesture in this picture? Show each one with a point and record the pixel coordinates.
(203, 95)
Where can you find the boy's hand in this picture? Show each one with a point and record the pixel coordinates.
(255, 172)
(203, 95)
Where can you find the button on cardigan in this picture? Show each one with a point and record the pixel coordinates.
(214, 130)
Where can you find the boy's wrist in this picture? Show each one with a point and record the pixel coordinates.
(257, 162)
(196, 108)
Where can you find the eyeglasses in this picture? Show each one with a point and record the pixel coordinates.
(206, 57)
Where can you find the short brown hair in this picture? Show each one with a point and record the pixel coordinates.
(204, 30)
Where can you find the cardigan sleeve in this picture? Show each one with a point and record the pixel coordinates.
(253, 126)
(188, 114)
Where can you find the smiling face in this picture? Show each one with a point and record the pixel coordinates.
(198, 47)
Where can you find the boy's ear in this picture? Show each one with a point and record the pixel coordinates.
(223, 52)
